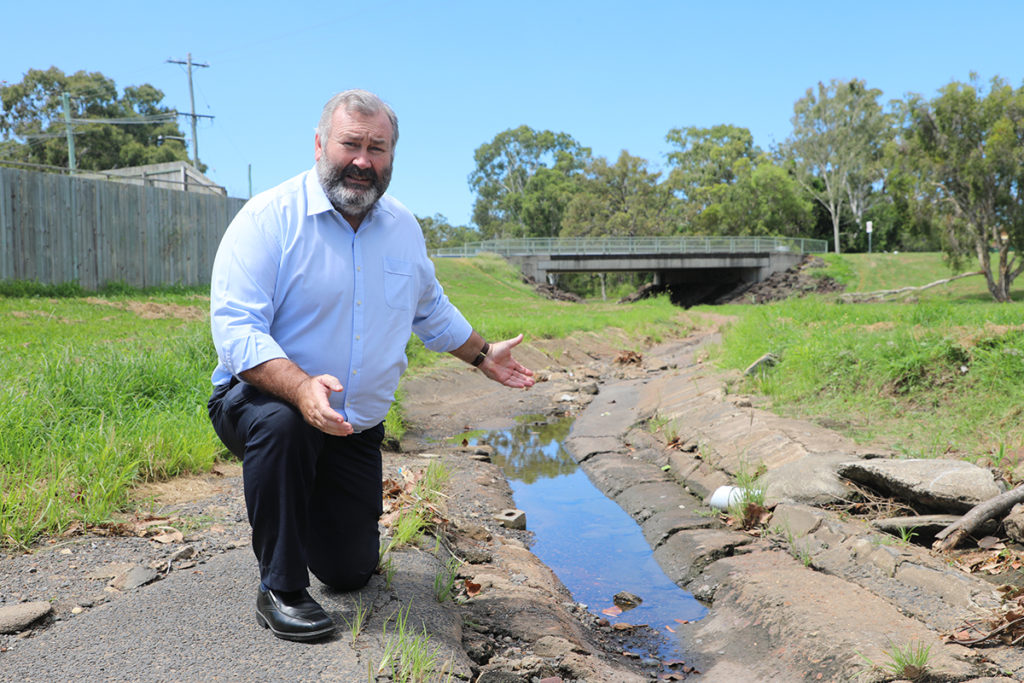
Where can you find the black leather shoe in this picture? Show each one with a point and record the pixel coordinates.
(292, 615)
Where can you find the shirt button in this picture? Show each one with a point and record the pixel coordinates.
(358, 337)
(359, 269)
(355, 372)
(359, 303)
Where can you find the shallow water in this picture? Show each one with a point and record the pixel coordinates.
(594, 547)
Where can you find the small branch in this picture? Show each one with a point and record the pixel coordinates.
(856, 297)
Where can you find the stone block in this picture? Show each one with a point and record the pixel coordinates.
(512, 519)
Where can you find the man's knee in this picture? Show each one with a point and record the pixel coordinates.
(352, 576)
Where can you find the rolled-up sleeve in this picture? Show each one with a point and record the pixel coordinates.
(438, 323)
(242, 296)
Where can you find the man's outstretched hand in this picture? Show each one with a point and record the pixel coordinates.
(311, 395)
(503, 368)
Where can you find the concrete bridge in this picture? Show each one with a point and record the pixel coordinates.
(697, 265)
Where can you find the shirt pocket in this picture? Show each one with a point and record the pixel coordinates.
(398, 283)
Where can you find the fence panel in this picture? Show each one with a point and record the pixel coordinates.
(56, 229)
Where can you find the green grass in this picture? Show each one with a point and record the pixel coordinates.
(409, 655)
(98, 393)
(941, 375)
(907, 662)
(875, 272)
(94, 398)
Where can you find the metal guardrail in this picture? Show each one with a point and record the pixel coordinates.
(636, 245)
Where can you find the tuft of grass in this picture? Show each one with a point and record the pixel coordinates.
(799, 551)
(410, 656)
(358, 620)
(444, 580)
(908, 662)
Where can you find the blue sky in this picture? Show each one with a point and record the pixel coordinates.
(614, 75)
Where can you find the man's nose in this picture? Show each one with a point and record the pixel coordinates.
(362, 159)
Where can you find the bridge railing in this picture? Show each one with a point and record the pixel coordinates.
(636, 245)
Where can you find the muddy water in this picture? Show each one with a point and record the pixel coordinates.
(594, 547)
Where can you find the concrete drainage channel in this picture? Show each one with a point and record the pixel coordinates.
(595, 548)
(830, 603)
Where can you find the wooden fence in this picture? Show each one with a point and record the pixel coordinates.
(56, 229)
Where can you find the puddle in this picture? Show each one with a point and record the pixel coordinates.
(594, 547)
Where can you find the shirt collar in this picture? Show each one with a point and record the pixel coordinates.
(318, 202)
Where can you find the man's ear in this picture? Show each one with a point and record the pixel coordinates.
(317, 151)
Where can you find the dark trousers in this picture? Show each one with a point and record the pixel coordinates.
(313, 499)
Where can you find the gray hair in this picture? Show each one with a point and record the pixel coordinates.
(362, 101)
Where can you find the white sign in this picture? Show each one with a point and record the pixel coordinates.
(869, 226)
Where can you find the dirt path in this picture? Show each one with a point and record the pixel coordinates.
(772, 615)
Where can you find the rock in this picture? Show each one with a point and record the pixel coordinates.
(475, 532)
(19, 617)
(184, 553)
(811, 480)
(590, 388)
(476, 556)
(500, 677)
(133, 578)
(552, 646)
(1014, 523)
(943, 485)
(512, 519)
(626, 600)
(110, 571)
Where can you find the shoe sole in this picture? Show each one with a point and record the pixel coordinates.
(300, 637)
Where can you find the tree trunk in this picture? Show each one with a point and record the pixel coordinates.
(835, 227)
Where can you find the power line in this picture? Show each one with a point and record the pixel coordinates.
(192, 100)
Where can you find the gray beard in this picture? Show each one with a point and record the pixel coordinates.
(356, 201)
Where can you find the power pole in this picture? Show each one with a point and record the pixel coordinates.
(65, 100)
(192, 101)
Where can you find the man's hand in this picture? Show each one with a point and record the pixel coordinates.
(311, 395)
(503, 368)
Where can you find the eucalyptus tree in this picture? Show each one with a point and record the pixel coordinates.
(504, 169)
(966, 146)
(110, 129)
(728, 186)
(839, 135)
(623, 199)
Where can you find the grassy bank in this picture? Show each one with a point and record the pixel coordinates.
(941, 375)
(98, 393)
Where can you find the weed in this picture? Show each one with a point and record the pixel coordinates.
(444, 580)
(410, 657)
(907, 534)
(358, 620)
(799, 551)
(908, 661)
(387, 567)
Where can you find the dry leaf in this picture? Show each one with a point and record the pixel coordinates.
(171, 535)
(669, 629)
(612, 611)
(472, 589)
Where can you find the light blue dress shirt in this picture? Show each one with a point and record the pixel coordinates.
(291, 279)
